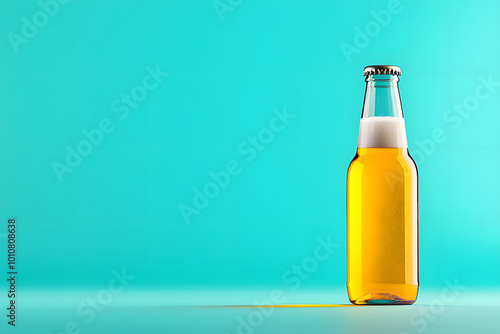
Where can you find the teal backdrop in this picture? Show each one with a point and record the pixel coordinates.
(204, 145)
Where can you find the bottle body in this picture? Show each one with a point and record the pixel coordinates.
(382, 203)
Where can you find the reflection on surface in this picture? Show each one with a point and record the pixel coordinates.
(281, 306)
(155, 312)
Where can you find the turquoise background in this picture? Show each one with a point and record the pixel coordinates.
(119, 208)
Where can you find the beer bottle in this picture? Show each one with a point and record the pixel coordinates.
(382, 199)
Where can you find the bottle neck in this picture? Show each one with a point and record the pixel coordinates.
(382, 96)
(377, 152)
(382, 123)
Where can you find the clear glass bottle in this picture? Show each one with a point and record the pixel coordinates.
(382, 200)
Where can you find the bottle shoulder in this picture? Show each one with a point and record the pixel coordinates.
(382, 159)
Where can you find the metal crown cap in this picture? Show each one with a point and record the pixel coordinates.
(381, 69)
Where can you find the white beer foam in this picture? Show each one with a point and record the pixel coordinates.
(382, 132)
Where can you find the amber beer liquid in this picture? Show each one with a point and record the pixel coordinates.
(382, 200)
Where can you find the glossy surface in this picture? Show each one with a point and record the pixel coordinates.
(158, 311)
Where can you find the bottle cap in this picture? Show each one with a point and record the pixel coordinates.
(381, 69)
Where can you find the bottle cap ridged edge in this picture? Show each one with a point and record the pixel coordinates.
(381, 69)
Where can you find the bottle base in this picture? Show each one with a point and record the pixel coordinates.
(381, 299)
(382, 294)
